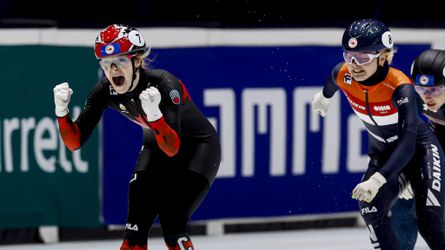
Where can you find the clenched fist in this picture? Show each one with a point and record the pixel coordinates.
(62, 97)
(150, 99)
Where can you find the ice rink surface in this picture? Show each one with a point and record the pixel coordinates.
(317, 239)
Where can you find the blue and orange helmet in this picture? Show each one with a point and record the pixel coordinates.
(119, 39)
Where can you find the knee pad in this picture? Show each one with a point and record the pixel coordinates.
(179, 242)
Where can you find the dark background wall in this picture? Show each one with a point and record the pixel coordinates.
(216, 13)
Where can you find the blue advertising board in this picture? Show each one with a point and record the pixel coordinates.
(279, 159)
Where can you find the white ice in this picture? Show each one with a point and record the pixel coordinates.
(318, 239)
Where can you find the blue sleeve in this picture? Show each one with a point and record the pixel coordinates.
(404, 98)
(330, 86)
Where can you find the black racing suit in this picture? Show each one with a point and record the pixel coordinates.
(399, 142)
(179, 159)
(436, 121)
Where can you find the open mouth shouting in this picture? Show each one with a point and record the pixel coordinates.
(118, 81)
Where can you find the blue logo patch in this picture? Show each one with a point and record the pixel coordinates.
(425, 80)
(110, 49)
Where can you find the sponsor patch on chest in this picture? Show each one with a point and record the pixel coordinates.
(382, 108)
(347, 79)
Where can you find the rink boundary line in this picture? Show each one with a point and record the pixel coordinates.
(207, 37)
(224, 226)
(253, 224)
(284, 218)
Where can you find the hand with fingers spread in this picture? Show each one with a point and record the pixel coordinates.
(150, 99)
(62, 97)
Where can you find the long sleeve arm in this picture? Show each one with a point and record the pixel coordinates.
(70, 132)
(405, 99)
(167, 130)
(167, 138)
(330, 86)
(75, 134)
